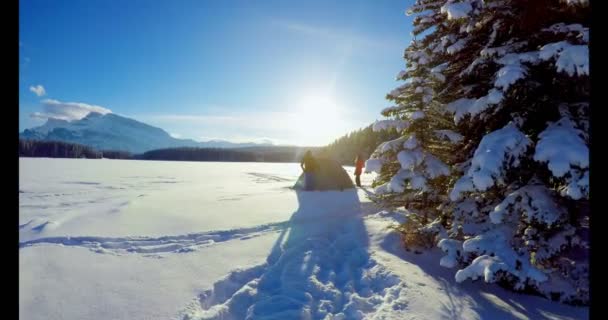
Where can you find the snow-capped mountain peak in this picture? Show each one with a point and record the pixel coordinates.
(114, 132)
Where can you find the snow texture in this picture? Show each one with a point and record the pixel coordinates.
(465, 106)
(411, 142)
(452, 248)
(464, 184)
(496, 254)
(390, 109)
(572, 59)
(562, 148)
(508, 75)
(86, 253)
(451, 135)
(391, 145)
(373, 165)
(437, 72)
(496, 152)
(456, 10)
(434, 167)
(316, 270)
(583, 33)
(399, 125)
(457, 46)
(400, 75)
(417, 115)
(533, 202)
(410, 158)
(578, 2)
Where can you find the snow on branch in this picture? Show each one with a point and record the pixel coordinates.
(485, 266)
(373, 165)
(508, 75)
(410, 158)
(561, 146)
(453, 136)
(434, 167)
(533, 202)
(401, 74)
(572, 59)
(453, 249)
(417, 115)
(411, 142)
(457, 46)
(496, 255)
(583, 33)
(578, 186)
(503, 146)
(583, 3)
(389, 110)
(391, 145)
(437, 72)
(399, 125)
(457, 10)
(464, 106)
(497, 151)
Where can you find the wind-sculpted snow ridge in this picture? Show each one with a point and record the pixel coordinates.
(319, 268)
(164, 244)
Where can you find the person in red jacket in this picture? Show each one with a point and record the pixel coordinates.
(359, 163)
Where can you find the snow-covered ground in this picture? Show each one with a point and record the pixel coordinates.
(119, 239)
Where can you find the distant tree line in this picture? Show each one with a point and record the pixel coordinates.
(254, 154)
(59, 149)
(196, 154)
(364, 141)
(344, 150)
(56, 149)
(117, 154)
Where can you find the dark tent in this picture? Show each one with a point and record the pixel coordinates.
(329, 176)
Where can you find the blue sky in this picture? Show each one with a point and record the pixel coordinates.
(294, 72)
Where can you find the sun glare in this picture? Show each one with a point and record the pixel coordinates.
(316, 119)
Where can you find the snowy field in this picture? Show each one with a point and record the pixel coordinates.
(120, 239)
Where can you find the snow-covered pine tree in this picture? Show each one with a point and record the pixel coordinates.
(513, 74)
(412, 168)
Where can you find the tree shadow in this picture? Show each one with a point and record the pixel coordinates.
(488, 301)
(316, 267)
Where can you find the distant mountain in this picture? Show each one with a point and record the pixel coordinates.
(113, 132)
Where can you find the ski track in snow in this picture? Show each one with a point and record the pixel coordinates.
(156, 245)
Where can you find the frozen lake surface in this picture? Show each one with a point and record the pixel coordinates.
(122, 239)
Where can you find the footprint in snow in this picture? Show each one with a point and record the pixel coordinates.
(319, 268)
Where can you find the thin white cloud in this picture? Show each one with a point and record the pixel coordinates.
(279, 127)
(341, 37)
(37, 90)
(241, 139)
(187, 118)
(347, 43)
(175, 135)
(67, 110)
(259, 120)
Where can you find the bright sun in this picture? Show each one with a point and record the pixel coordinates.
(317, 120)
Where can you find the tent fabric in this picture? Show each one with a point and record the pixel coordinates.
(329, 176)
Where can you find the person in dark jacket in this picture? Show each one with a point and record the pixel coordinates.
(309, 166)
(359, 164)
